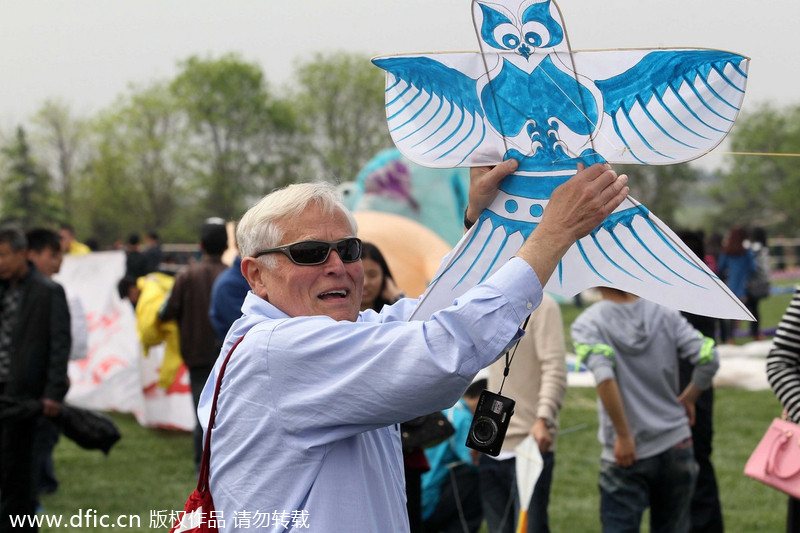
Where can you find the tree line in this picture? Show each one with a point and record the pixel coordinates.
(217, 136)
(208, 142)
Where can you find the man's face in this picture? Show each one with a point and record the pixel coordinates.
(12, 264)
(47, 261)
(66, 239)
(332, 289)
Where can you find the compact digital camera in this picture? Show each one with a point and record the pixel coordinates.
(490, 423)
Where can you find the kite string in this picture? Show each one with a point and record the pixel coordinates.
(766, 154)
(492, 92)
(704, 152)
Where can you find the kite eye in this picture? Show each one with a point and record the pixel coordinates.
(533, 39)
(510, 41)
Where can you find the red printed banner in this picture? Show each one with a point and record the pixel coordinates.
(116, 375)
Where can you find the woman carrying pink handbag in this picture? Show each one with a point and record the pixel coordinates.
(783, 373)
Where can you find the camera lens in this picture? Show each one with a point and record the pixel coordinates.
(484, 431)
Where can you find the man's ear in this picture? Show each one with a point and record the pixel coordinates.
(251, 270)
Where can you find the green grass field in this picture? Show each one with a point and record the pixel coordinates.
(149, 473)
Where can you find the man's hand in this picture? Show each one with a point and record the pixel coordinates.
(542, 435)
(483, 186)
(625, 450)
(575, 209)
(578, 206)
(50, 408)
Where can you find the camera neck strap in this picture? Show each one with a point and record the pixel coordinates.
(510, 357)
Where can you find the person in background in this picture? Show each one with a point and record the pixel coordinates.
(227, 296)
(451, 492)
(713, 247)
(34, 350)
(70, 245)
(152, 292)
(135, 260)
(152, 252)
(537, 381)
(705, 510)
(44, 251)
(189, 303)
(758, 286)
(379, 286)
(632, 347)
(783, 374)
(736, 265)
(128, 289)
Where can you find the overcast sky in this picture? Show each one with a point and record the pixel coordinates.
(87, 52)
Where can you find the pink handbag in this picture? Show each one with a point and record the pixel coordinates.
(776, 459)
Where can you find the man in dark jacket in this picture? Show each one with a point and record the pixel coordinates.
(34, 350)
(188, 303)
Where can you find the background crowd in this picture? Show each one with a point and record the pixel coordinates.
(448, 487)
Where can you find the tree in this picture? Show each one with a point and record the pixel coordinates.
(107, 200)
(341, 106)
(25, 194)
(136, 165)
(762, 189)
(236, 124)
(60, 140)
(153, 139)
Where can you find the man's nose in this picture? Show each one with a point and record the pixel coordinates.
(334, 262)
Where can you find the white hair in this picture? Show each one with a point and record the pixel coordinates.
(262, 226)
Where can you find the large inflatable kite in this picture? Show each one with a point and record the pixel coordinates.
(526, 95)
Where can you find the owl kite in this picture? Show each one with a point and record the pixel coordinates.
(526, 95)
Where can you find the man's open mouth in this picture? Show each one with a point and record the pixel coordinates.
(334, 295)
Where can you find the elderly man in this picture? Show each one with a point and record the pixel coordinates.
(306, 433)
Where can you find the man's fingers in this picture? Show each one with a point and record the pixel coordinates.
(614, 193)
(502, 170)
(490, 177)
(484, 184)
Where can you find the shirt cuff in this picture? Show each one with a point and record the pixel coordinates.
(519, 283)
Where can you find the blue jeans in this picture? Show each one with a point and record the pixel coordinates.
(665, 483)
(500, 500)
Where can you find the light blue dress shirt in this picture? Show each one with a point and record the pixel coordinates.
(306, 434)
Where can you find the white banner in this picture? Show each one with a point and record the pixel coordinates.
(115, 376)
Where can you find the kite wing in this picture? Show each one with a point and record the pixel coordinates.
(663, 106)
(434, 113)
(632, 250)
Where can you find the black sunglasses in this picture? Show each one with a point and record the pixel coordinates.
(317, 252)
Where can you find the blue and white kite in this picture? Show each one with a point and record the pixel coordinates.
(526, 95)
